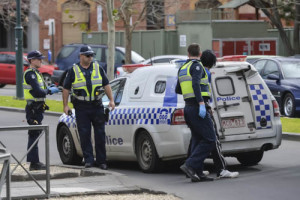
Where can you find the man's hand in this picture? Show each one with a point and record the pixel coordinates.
(67, 109)
(53, 89)
(112, 105)
(202, 111)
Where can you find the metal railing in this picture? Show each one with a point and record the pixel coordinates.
(5, 172)
(45, 129)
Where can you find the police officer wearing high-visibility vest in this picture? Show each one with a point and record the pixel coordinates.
(35, 92)
(193, 85)
(85, 79)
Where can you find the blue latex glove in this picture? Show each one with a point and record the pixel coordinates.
(53, 90)
(202, 111)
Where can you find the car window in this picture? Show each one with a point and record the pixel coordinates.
(160, 87)
(117, 88)
(162, 60)
(119, 58)
(291, 69)
(259, 65)
(3, 58)
(98, 51)
(66, 51)
(270, 68)
(225, 86)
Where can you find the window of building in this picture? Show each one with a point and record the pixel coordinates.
(155, 14)
(3, 36)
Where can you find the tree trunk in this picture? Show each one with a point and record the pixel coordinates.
(110, 41)
(296, 28)
(128, 38)
(277, 22)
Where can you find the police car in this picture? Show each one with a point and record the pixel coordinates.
(148, 123)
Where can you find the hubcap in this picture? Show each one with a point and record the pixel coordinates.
(66, 145)
(47, 80)
(288, 106)
(146, 152)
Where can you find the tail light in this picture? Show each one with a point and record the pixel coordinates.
(276, 108)
(178, 117)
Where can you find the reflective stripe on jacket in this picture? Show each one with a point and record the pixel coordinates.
(79, 84)
(185, 80)
(27, 87)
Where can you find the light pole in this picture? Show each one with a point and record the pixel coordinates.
(19, 53)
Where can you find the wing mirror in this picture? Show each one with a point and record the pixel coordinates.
(273, 77)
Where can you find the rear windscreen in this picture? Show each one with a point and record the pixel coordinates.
(225, 86)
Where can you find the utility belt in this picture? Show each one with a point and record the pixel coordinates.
(37, 105)
(76, 101)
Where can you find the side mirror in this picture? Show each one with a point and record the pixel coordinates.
(273, 77)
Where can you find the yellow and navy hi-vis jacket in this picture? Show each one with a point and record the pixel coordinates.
(80, 83)
(27, 87)
(185, 80)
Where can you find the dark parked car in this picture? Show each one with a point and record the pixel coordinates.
(282, 75)
(69, 54)
(8, 69)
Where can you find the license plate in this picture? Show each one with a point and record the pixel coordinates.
(233, 122)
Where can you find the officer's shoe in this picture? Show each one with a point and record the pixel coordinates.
(206, 173)
(227, 174)
(203, 178)
(190, 172)
(88, 165)
(37, 166)
(103, 166)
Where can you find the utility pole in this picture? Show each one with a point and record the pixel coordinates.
(19, 53)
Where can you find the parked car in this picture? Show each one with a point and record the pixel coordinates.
(69, 54)
(282, 75)
(154, 60)
(164, 59)
(148, 123)
(8, 69)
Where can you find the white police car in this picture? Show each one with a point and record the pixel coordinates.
(148, 124)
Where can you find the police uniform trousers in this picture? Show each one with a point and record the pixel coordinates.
(34, 116)
(203, 137)
(216, 153)
(88, 114)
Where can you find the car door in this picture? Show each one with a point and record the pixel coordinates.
(8, 69)
(271, 67)
(234, 112)
(115, 131)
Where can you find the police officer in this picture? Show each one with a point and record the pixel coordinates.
(209, 59)
(85, 79)
(35, 91)
(193, 85)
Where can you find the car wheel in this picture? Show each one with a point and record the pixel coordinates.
(66, 147)
(250, 158)
(2, 85)
(289, 105)
(146, 153)
(47, 79)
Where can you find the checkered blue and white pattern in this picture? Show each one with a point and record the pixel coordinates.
(261, 105)
(70, 121)
(130, 116)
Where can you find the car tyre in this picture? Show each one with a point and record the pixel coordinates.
(47, 79)
(289, 105)
(146, 153)
(66, 147)
(250, 158)
(2, 85)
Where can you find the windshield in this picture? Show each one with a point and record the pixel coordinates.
(291, 69)
(136, 58)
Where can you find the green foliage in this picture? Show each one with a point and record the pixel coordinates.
(115, 14)
(287, 11)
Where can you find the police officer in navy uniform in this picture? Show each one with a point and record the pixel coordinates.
(85, 79)
(35, 92)
(193, 85)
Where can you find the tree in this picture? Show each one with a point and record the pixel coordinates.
(153, 10)
(272, 10)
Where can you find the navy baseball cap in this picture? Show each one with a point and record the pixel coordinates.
(86, 50)
(35, 55)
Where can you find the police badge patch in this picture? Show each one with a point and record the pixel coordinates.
(198, 68)
(32, 76)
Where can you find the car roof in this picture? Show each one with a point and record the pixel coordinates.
(281, 59)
